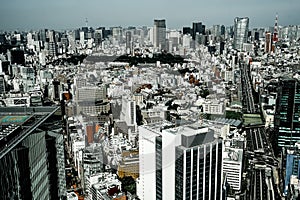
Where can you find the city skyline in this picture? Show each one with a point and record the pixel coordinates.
(201, 112)
(68, 14)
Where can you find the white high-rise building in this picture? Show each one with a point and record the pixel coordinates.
(146, 183)
(128, 113)
(233, 162)
(82, 38)
(151, 35)
(183, 162)
(30, 40)
(117, 33)
(186, 41)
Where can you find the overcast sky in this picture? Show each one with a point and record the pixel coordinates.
(65, 14)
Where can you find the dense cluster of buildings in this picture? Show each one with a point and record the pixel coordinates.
(76, 123)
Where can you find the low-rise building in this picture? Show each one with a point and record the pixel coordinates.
(129, 165)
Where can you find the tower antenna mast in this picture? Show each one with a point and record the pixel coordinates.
(86, 22)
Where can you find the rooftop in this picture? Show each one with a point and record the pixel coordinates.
(19, 122)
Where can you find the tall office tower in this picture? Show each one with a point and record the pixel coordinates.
(17, 56)
(64, 43)
(2, 84)
(197, 28)
(56, 166)
(233, 162)
(186, 41)
(43, 35)
(256, 36)
(241, 27)
(223, 30)
(268, 42)
(52, 43)
(117, 33)
(30, 40)
(183, 162)
(186, 30)
(159, 34)
(82, 38)
(85, 29)
(128, 112)
(128, 40)
(98, 36)
(222, 47)
(27, 158)
(198, 165)
(286, 122)
(2, 39)
(216, 30)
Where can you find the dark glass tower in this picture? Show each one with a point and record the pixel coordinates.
(159, 34)
(287, 116)
(186, 30)
(158, 154)
(31, 158)
(197, 28)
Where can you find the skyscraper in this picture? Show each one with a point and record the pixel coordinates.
(32, 166)
(186, 30)
(98, 36)
(198, 165)
(2, 84)
(17, 56)
(197, 28)
(159, 34)
(241, 27)
(268, 42)
(52, 43)
(183, 162)
(287, 115)
(128, 40)
(233, 162)
(56, 163)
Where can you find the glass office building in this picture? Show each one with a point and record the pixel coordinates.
(241, 28)
(31, 153)
(287, 116)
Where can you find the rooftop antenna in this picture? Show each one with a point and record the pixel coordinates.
(275, 37)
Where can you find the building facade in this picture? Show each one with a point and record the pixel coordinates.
(233, 150)
(183, 162)
(241, 28)
(159, 34)
(287, 124)
(32, 166)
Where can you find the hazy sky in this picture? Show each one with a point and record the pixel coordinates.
(64, 14)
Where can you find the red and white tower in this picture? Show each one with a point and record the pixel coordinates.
(275, 34)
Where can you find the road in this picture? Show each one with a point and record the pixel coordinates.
(259, 153)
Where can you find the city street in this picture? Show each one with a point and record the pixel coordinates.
(258, 149)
